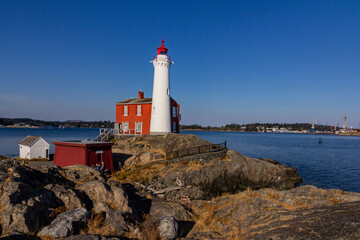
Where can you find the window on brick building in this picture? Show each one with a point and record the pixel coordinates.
(138, 126)
(174, 111)
(125, 126)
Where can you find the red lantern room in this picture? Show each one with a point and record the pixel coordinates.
(162, 50)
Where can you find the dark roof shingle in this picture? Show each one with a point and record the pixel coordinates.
(134, 101)
(29, 140)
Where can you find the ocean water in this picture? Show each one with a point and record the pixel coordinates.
(10, 137)
(333, 164)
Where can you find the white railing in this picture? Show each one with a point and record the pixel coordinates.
(127, 132)
(162, 58)
(105, 134)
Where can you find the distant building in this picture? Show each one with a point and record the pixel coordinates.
(83, 153)
(157, 115)
(33, 147)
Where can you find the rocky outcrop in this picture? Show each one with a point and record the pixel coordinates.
(67, 223)
(166, 143)
(81, 174)
(31, 199)
(26, 205)
(144, 149)
(301, 213)
(212, 174)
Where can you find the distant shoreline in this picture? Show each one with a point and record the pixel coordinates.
(353, 134)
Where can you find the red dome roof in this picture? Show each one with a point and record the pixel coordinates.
(162, 49)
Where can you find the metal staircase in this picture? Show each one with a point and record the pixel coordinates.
(105, 134)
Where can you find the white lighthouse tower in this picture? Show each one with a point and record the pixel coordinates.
(160, 112)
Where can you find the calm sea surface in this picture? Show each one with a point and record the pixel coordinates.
(333, 164)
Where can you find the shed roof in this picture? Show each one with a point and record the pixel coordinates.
(84, 143)
(29, 140)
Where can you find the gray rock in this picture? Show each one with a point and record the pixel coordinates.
(78, 214)
(168, 228)
(117, 224)
(81, 174)
(101, 207)
(174, 209)
(66, 223)
(121, 201)
(68, 196)
(97, 191)
(113, 224)
(58, 228)
(25, 209)
(4, 166)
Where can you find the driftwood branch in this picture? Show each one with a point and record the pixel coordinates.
(158, 192)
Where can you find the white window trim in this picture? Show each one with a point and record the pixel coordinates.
(125, 126)
(126, 110)
(138, 113)
(138, 126)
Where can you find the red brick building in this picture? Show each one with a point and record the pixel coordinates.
(133, 116)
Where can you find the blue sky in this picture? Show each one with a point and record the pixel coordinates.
(235, 61)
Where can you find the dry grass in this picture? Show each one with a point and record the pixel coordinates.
(272, 194)
(337, 197)
(235, 233)
(57, 211)
(205, 219)
(95, 224)
(33, 234)
(302, 203)
(144, 175)
(250, 195)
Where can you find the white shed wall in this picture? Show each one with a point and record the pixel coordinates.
(24, 151)
(38, 149)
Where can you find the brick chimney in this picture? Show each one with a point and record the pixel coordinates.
(140, 95)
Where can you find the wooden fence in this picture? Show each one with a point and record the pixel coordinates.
(196, 150)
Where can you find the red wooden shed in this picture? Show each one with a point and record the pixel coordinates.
(83, 152)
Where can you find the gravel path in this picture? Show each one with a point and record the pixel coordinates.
(39, 163)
